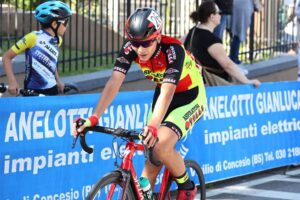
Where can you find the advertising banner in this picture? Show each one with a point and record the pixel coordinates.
(244, 130)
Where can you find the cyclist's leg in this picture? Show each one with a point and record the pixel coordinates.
(165, 152)
(181, 120)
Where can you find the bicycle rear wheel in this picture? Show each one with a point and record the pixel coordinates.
(110, 187)
(195, 174)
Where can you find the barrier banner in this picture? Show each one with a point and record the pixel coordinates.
(244, 130)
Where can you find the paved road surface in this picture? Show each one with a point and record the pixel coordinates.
(278, 184)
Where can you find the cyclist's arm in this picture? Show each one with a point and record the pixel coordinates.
(60, 84)
(7, 65)
(28, 41)
(109, 92)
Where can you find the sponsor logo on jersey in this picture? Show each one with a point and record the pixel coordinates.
(127, 48)
(169, 80)
(171, 71)
(192, 115)
(123, 60)
(119, 69)
(171, 54)
(51, 50)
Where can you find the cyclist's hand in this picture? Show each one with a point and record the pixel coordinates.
(255, 82)
(150, 136)
(13, 88)
(79, 127)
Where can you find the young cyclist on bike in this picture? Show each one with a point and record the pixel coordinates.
(179, 98)
(41, 51)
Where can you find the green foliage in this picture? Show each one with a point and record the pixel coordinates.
(25, 4)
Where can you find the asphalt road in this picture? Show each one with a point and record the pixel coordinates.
(277, 184)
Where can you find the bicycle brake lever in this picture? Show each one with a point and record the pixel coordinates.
(74, 141)
(148, 152)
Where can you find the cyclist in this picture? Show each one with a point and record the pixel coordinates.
(179, 98)
(41, 51)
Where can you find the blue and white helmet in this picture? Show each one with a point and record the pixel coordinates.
(50, 11)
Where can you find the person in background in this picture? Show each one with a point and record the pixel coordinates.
(225, 7)
(208, 48)
(240, 22)
(297, 13)
(41, 51)
(180, 89)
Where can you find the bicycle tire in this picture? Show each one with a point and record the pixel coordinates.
(114, 177)
(190, 164)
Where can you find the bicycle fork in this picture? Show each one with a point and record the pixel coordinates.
(125, 182)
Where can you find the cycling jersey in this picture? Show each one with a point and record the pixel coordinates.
(41, 53)
(171, 64)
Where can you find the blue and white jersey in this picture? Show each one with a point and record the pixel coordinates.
(41, 52)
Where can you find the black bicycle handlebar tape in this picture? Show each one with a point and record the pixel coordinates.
(2, 88)
(83, 144)
(68, 87)
(27, 93)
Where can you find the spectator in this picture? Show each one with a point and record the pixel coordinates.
(226, 10)
(241, 20)
(208, 49)
(297, 13)
(41, 51)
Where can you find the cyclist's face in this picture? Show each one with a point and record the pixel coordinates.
(146, 51)
(63, 27)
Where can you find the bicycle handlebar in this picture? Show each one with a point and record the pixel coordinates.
(119, 132)
(69, 87)
(23, 92)
(27, 92)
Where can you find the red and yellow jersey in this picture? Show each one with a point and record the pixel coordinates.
(171, 63)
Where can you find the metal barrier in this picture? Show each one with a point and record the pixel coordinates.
(96, 30)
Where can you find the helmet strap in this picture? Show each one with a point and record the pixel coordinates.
(55, 31)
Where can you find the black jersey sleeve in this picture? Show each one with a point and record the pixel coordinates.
(175, 59)
(125, 58)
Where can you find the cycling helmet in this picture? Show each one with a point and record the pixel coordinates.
(143, 24)
(50, 11)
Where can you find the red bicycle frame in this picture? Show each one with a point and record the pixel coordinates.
(127, 166)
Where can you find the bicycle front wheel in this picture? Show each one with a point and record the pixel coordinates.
(109, 187)
(195, 174)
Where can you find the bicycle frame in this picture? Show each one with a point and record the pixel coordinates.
(126, 168)
(128, 171)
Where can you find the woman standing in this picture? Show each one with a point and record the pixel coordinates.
(241, 20)
(208, 48)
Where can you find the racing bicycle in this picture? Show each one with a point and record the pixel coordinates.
(122, 183)
(68, 89)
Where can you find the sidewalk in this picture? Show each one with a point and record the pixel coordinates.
(281, 68)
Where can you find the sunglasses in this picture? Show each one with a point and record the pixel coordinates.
(64, 22)
(144, 44)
